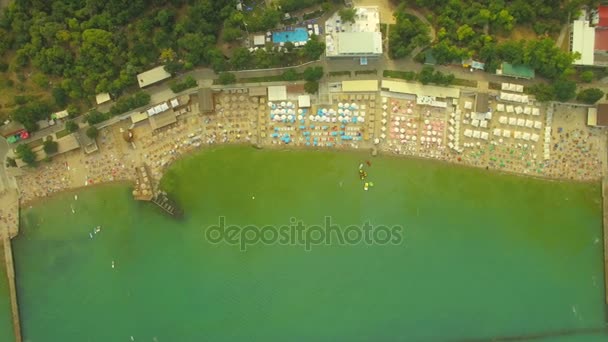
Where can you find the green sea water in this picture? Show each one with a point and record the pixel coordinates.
(6, 323)
(483, 256)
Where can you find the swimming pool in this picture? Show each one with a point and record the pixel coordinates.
(299, 34)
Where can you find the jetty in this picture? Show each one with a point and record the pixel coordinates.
(12, 286)
(144, 190)
(605, 224)
(167, 205)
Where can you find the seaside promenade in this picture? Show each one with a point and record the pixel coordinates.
(12, 285)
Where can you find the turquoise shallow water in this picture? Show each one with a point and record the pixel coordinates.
(483, 256)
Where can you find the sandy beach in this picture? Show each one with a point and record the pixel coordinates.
(511, 141)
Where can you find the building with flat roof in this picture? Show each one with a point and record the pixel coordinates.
(360, 86)
(257, 91)
(482, 103)
(598, 116)
(359, 39)
(582, 40)
(420, 89)
(102, 98)
(205, 100)
(304, 101)
(277, 93)
(139, 117)
(163, 119)
(516, 71)
(152, 76)
(64, 144)
(259, 40)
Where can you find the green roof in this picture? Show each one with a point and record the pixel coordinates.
(520, 70)
(429, 58)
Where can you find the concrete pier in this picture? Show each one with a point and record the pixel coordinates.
(12, 286)
(605, 224)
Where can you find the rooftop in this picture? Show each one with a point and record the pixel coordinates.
(205, 100)
(602, 114)
(152, 76)
(603, 14)
(601, 39)
(482, 103)
(102, 98)
(162, 119)
(359, 43)
(420, 89)
(277, 93)
(360, 85)
(517, 71)
(361, 38)
(303, 101)
(583, 41)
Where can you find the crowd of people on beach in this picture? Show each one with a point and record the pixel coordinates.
(404, 128)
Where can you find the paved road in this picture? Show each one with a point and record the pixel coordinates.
(4, 184)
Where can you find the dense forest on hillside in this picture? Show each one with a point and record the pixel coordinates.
(74, 49)
(482, 30)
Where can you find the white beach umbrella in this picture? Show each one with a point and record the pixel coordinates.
(414, 138)
(402, 136)
(383, 129)
(384, 114)
(402, 130)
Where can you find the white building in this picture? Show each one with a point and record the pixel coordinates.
(152, 76)
(359, 39)
(582, 40)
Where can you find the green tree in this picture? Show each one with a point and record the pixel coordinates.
(311, 87)
(290, 75)
(92, 132)
(226, 78)
(26, 154)
(94, 117)
(313, 49)
(542, 92)
(71, 126)
(50, 147)
(587, 76)
(313, 74)
(60, 97)
(348, 14)
(564, 90)
(590, 95)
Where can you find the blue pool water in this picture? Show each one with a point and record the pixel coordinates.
(299, 34)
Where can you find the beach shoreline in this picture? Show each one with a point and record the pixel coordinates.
(390, 128)
(285, 148)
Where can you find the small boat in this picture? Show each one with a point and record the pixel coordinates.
(91, 235)
(112, 263)
(76, 197)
